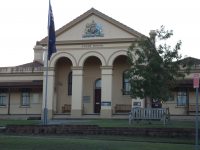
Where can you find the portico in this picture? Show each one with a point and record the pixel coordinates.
(87, 71)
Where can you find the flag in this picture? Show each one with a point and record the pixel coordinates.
(51, 33)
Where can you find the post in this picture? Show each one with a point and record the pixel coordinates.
(51, 49)
(196, 86)
(46, 85)
(197, 120)
(9, 101)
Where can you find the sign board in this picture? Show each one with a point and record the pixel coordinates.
(196, 80)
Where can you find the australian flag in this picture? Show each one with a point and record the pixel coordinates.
(51, 33)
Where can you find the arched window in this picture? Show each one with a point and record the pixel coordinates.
(98, 84)
(126, 84)
(70, 84)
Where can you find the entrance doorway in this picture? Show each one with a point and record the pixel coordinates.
(97, 96)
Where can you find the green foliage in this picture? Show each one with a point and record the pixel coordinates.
(154, 67)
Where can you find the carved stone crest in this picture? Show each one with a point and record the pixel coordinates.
(93, 30)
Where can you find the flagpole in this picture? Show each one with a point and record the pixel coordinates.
(46, 85)
(51, 48)
(45, 119)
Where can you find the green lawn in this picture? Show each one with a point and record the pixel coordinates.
(142, 124)
(110, 123)
(90, 143)
(5, 122)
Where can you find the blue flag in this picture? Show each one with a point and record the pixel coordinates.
(51, 33)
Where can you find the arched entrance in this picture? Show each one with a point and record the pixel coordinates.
(63, 85)
(91, 72)
(97, 96)
(120, 93)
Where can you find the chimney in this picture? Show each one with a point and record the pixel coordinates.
(153, 34)
(38, 52)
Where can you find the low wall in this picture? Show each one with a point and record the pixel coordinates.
(96, 130)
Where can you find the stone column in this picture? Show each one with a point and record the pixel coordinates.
(50, 93)
(77, 92)
(106, 91)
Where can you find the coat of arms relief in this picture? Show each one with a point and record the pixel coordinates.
(93, 30)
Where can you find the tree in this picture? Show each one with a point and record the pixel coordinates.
(154, 68)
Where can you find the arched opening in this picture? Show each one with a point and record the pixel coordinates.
(63, 85)
(120, 84)
(91, 72)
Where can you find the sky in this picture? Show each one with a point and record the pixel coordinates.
(23, 22)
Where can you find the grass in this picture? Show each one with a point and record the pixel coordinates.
(142, 124)
(109, 123)
(90, 143)
(5, 122)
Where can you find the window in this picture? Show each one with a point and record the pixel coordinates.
(126, 84)
(3, 99)
(182, 98)
(70, 84)
(25, 97)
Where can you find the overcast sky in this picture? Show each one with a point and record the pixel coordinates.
(23, 22)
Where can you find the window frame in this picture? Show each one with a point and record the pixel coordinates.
(182, 98)
(3, 97)
(27, 97)
(125, 84)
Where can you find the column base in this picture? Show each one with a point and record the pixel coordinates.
(106, 113)
(76, 113)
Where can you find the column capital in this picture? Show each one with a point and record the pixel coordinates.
(77, 71)
(77, 68)
(106, 67)
(106, 70)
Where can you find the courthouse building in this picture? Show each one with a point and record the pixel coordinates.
(86, 76)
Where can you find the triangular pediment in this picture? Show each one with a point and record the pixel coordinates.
(94, 25)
